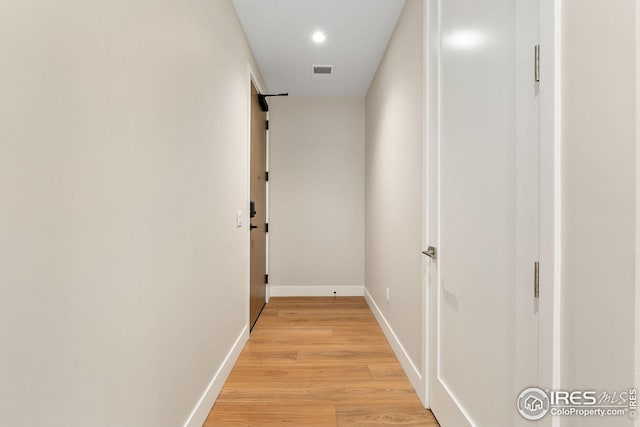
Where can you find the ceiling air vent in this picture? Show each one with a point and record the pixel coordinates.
(322, 70)
(321, 73)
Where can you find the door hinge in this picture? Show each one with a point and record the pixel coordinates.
(536, 279)
(266, 176)
(266, 279)
(536, 62)
(266, 228)
(267, 126)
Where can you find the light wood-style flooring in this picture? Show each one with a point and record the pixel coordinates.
(318, 362)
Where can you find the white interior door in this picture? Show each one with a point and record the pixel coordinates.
(484, 211)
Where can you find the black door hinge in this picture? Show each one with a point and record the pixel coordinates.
(266, 176)
(267, 124)
(266, 228)
(266, 279)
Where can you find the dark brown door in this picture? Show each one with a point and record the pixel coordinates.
(257, 215)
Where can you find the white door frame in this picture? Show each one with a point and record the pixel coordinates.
(430, 137)
(426, 199)
(550, 199)
(252, 79)
(550, 191)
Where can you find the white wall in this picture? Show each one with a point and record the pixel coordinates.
(316, 225)
(599, 198)
(395, 118)
(123, 158)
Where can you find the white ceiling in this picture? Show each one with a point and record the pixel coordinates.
(280, 31)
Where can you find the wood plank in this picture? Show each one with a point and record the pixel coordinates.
(319, 341)
(385, 371)
(313, 392)
(384, 415)
(302, 373)
(343, 357)
(289, 333)
(360, 330)
(349, 310)
(267, 358)
(271, 415)
(317, 301)
(305, 346)
(335, 320)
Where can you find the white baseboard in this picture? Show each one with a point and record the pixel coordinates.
(315, 291)
(203, 407)
(413, 373)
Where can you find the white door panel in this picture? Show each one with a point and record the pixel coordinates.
(486, 230)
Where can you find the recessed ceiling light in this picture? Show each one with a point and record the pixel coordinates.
(319, 37)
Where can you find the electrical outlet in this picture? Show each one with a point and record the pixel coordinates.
(388, 296)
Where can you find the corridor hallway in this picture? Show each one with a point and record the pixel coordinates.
(318, 362)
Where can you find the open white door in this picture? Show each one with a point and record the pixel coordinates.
(484, 209)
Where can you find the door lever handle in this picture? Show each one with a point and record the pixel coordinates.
(253, 227)
(430, 252)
